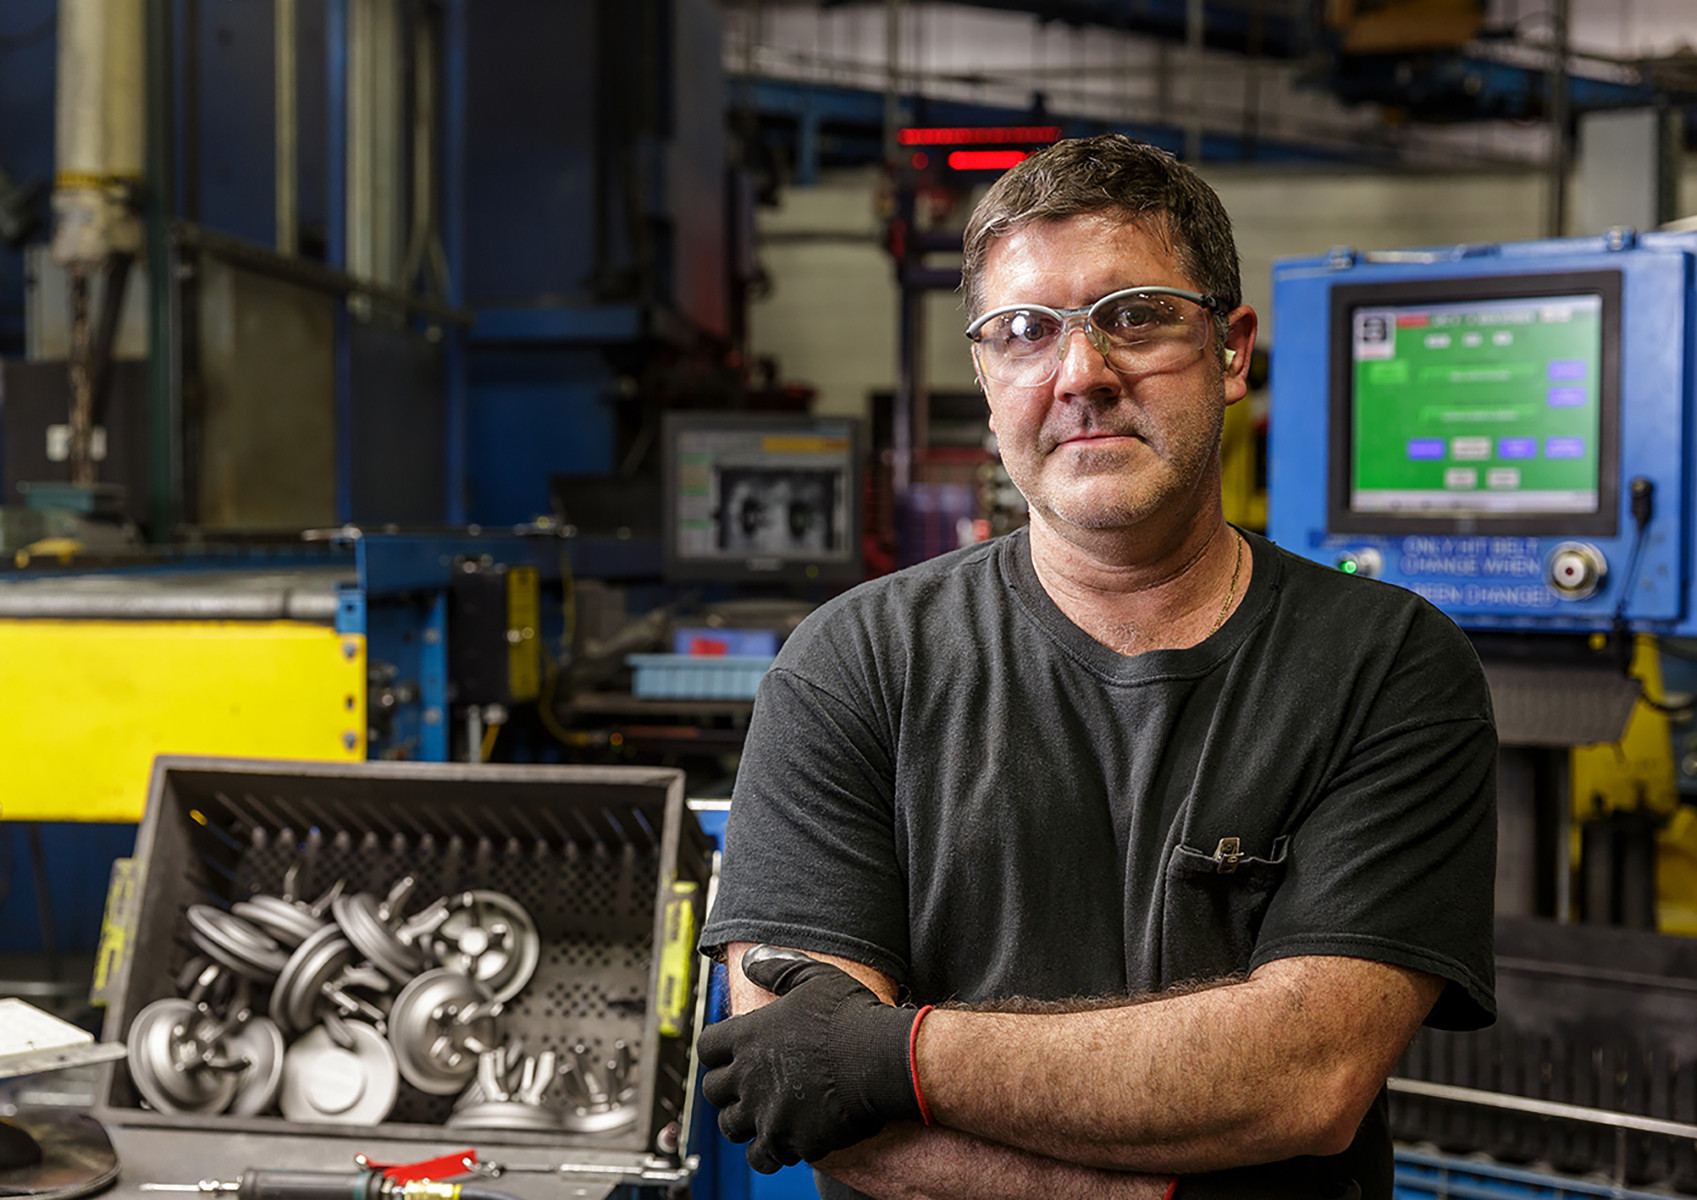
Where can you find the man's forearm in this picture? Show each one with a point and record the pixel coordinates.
(1281, 1065)
(910, 1162)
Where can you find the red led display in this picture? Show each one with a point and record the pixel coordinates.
(985, 160)
(987, 135)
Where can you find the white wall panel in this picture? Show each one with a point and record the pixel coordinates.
(1280, 214)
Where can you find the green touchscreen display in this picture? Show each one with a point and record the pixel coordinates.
(1483, 406)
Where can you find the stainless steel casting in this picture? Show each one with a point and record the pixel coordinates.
(335, 1047)
(352, 1081)
(491, 938)
(439, 1026)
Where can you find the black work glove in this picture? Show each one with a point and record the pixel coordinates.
(820, 1068)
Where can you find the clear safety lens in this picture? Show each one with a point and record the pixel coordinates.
(1139, 331)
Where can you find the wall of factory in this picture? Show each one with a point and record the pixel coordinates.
(829, 316)
(1279, 214)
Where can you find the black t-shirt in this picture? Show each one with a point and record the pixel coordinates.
(949, 781)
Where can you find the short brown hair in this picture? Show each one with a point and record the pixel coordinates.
(1109, 173)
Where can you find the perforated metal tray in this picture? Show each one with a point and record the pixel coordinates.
(592, 853)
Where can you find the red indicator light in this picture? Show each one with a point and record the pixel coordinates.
(920, 161)
(973, 135)
(985, 160)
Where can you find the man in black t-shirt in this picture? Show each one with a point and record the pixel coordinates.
(1184, 836)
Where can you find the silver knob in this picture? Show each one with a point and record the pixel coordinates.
(1575, 570)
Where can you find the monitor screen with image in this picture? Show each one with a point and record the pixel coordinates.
(762, 497)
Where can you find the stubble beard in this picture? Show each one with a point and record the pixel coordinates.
(1097, 490)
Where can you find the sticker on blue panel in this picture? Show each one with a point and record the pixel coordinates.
(1475, 572)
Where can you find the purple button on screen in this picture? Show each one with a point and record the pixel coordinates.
(1517, 447)
(1567, 368)
(1566, 397)
(1419, 448)
(1564, 447)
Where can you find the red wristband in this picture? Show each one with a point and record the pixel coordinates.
(913, 1064)
(1172, 1189)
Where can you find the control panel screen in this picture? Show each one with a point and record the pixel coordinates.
(1468, 411)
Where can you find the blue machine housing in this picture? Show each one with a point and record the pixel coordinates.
(1502, 571)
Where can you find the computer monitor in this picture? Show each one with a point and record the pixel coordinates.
(762, 497)
(1476, 405)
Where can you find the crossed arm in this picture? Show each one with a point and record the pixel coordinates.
(1113, 1101)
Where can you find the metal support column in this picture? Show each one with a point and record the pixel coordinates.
(892, 75)
(288, 233)
(1555, 211)
(336, 239)
(453, 159)
(1194, 18)
(807, 142)
(164, 470)
(910, 349)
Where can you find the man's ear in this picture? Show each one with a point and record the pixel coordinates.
(1240, 343)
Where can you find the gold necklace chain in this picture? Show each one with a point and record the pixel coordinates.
(1231, 592)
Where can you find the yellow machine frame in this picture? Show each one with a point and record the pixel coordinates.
(90, 703)
(1638, 771)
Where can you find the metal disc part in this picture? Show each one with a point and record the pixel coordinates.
(164, 1061)
(326, 1082)
(360, 917)
(505, 1114)
(234, 943)
(289, 923)
(259, 1043)
(311, 969)
(439, 1025)
(73, 1156)
(492, 939)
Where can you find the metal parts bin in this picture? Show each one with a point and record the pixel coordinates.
(609, 862)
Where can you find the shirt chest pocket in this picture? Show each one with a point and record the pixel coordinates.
(1214, 903)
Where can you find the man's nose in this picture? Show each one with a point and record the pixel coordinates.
(1083, 369)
